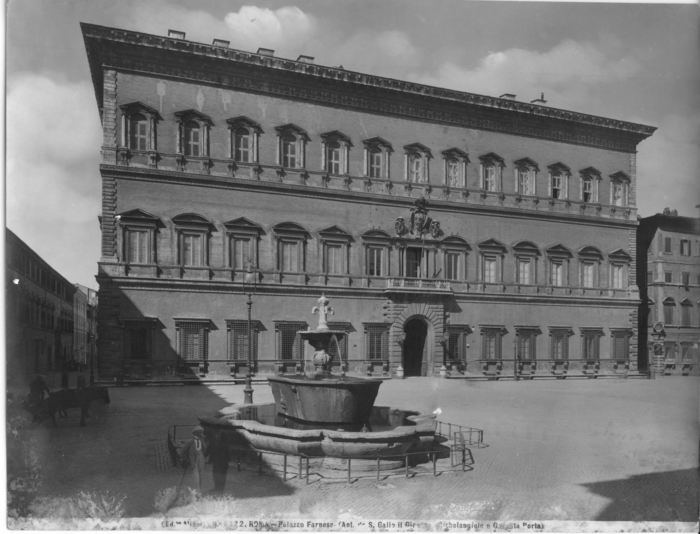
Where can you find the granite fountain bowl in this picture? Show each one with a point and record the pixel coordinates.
(394, 433)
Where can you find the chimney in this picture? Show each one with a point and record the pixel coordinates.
(539, 101)
(507, 96)
(266, 52)
(176, 34)
(305, 59)
(221, 43)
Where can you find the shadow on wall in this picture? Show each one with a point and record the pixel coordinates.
(664, 496)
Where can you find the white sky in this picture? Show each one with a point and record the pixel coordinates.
(635, 62)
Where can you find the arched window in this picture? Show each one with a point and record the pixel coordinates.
(587, 189)
(243, 140)
(193, 139)
(455, 167)
(590, 178)
(526, 176)
(334, 164)
(138, 132)
(559, 181)
(377, 152)
(291, 146)
(491, 171)
(490, 178)
(619, 189)
(336, 150)
(416, 161)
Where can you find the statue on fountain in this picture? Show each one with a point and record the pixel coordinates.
(323, 309)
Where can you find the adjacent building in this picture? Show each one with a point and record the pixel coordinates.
(669, 281)
(39, 313)
(81, 327)
(451, 231)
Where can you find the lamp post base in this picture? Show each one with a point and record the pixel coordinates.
(248, 391)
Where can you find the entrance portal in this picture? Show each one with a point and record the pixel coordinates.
(414, 347)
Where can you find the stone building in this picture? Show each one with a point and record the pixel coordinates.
(668, 268)
(488, 235)
(81, 326)
(39, 313)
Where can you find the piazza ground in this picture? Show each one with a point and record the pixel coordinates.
(608, 450)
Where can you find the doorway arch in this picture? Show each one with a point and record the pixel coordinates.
(414, 347)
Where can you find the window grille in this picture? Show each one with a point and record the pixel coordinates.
(333, 348)
(377, 341)
(457, 342)
(527, 345)
(139, 343)
(491, 344)
(192, 340)
(559, 346)
(290, 344)
(238, 339)
(620, 348)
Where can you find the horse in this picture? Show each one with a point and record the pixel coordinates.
(64, 399)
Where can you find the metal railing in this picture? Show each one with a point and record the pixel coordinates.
(418, 283)
(457, 432)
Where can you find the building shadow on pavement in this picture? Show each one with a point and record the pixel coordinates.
(664, 496)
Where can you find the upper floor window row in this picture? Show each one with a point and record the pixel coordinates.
(139, 133)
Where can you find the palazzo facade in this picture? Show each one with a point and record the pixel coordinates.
(486, 235)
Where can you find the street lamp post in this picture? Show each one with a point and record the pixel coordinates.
(249, 282)
(400, 339)
(656, 348)
(444, 341)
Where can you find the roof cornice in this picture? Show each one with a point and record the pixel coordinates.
(100, 53)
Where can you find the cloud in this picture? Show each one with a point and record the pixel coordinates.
(285, 29)
(567, 74)
(53, 183)
(668, 166)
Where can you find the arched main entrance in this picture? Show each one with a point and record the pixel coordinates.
(414, 347)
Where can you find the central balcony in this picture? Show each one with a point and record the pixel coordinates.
(417, 285)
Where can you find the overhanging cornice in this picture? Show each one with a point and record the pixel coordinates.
(164, 56)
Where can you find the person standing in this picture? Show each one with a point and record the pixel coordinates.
(193, 454)
(220, 456)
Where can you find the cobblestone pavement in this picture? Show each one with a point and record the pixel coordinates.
(612, 450)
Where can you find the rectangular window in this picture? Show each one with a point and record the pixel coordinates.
(490, 178)
(289, 152)
(587, 278)
(490, 263)
(667, 245)
(560, 345)
(192, 250)
(457, 342)
(238, 340)
(137, 246)
(491, 345)
(527, 345)
(334, 160)
(290, 343)
(668, 277)
(138, 342)
(524, 268)
(670, 351)
(334, 259)
(686, 351)
(192, 340)
(242, 145)
(685, 279)
(413, 261)
(618, 273)
(556, 186)
(377, 341)
(556, 273)
(588, 190)
(375, 163)
(374, 261)
(620, 346)
(241, 252)
(668, 313)
(685, 247)
(451, 266)
(686, 310)
(650, 277)
(591, 346)
(290, 259)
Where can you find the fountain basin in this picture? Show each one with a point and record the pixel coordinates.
(327, 401)
(256, 425)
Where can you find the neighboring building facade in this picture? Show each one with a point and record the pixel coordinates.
(669, 280)
(490, 235)
(39, 310)
(81, 327)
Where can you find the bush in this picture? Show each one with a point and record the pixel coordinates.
(84, 505)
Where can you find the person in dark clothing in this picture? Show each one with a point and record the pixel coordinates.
(37, 387)
(192, 456)
(220, 456)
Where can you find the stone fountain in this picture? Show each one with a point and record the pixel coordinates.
(326, 416)
(318, 397)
